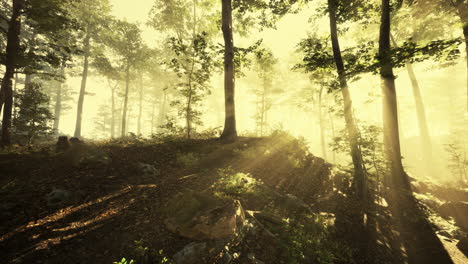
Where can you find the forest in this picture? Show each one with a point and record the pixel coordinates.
(234, 131)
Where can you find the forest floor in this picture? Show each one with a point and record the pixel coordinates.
(113, 200)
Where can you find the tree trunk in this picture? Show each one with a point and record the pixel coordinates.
(124, 114)
(332, 124)
(15, 90)
(12, 50)
(153, 109)
(463, 14)
(322, 125)
(58, 104)
(162, 111)
(263, 109)
(84, 78)
(399, 179)
(230, 131)
(426, 144)
(140, 106)
(113, 111)
(353, 133)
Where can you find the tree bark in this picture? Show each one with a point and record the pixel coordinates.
(353, 133)
(15, 90)
(399, 179)
(332, 124)
(84, 78)
(230, 131)
(140, 106)
(162, 111)
(124, 114)
(12, 50)
(322, 125)
(113, 109)
(58, 104)
(462, 10)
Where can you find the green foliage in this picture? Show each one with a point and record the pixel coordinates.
(306, 239)
(124, 261)
(188, 160)
(193, 63)
(318, 56)
(236, 184)
(34, 116)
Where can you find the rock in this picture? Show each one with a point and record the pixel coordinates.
(204, 216)
(457, 210)
(445, 234)
(58, 197)
(440, 191)
(293, 203)
(147, 170)
(463, 245)
(62, 144)
(96, 157)
(191, 254)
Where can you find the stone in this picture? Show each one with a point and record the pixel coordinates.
(58, 197)
(147, 170)
(204, 216)
(190, 254)
(463, 245)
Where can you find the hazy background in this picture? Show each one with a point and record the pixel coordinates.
(443, 91)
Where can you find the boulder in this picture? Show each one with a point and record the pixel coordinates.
(147, 170)
(58, 197)
(457, 210)
(190, 254)
(463, 245)
(202, 216)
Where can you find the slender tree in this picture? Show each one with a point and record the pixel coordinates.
(93, 17)
(353, 133)
(398, 179)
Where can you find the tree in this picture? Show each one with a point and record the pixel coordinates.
(353, 133)
(399, 179)
(11, 63)
(229, 131)
(265, 67)
(127, 43)
(34, 116)
(193, 64)
(93, 17)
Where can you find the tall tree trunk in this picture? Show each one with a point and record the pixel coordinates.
(263, 110)
(162, 111)
(332, 124)
(353, 133)
(15, 91)
(12, 50)
(58, 104)
(399, 179)
(124, 114)
(322, 125)
(426, 144)
(463, 14)
(153, 109)
(230, 131)
(84, 78)
(140, 106)
(113, 110)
